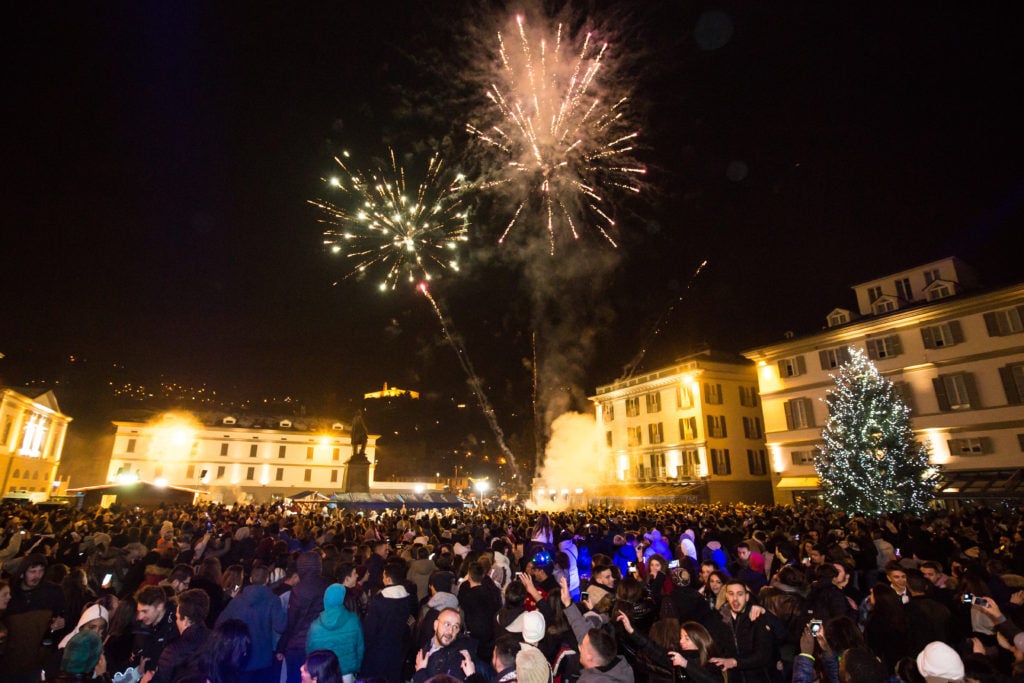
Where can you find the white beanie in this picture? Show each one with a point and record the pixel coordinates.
(941, 661)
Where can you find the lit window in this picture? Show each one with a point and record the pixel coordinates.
(792, 367)
(654, 402)
(655, 433)
(633, 406)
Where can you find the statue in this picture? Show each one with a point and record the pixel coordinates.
(357, 474)
(359, 435)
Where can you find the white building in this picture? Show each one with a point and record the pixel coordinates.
(955, 353)
(698, 421)
(236, 458)
(32, 434)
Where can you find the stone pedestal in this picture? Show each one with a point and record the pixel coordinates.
(357, 475)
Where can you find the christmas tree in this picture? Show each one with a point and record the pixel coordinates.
(870, 462)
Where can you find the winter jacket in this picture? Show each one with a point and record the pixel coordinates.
(304, 605)
(338, 630)
(803, 669)
(752, 647)
(618, 671)
(179, 658)
(447, 660)
(480, 604)
(387, 635)
(266, 618)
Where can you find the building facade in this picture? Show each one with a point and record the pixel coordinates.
(698, 420)
(956, 356)
(233, 458)
(32, 434)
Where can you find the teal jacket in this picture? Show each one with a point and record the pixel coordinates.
(338, 630)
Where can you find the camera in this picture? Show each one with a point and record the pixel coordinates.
(972, 599)
(815, 626)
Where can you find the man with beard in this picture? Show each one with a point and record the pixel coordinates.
(35, 612)
(448, 651)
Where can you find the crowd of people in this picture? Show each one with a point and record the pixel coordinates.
(706, 593)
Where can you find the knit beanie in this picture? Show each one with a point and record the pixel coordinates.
(939, 660)
(532, 666)
(82, 653)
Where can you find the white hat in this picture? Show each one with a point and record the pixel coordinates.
(95, 611)
(530, 624)
(941, 661)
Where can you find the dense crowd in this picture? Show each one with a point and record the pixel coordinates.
(737, 593)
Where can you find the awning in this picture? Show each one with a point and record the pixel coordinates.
(998, 484)
(798, 483)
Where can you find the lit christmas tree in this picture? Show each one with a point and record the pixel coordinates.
(870, 462)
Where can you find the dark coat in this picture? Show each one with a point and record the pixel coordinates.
(179, 658)
(266, 618)
(387, 636)
(752, 647)
(304, 605)
(447, 660)
(480, 604)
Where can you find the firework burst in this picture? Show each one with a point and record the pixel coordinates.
(407, 236)
(562, 142)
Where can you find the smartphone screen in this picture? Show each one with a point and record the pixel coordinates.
(106, 580)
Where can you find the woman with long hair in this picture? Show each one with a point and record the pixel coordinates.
(687, 648)
(656, 579)
(711, 591)
(321, 666)
(225, 657)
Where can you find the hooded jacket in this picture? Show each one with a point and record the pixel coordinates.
(305, 604)
(266, 618)
(338, 629)
(387, 634)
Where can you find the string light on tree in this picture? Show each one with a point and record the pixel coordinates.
(870, 462)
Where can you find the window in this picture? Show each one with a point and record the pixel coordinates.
(941, 336)
(748, 396)
(608, 439)
(336, 454)
(308, 476)
(609, 411)
(8, 423)
(885, 306)
(190, 473)
(281, 451)
(792, 367)
(1002, 323)
(633, 406)
(906, 393)
(250, 473)
(931, 276)
(720, 461)
(220, 471)
(16, 475)
(874, 294)
(803, 457)
(334, 476)
(130, 448)
(838, 319)
(253, 450)
(884, 347)
(224, 449)
(757, 462)
(683, 398)
(658, 465)
(655, 433)
(309, 453)
(716, 426)
(712, 393)
(654, 402)
(280, 474)
(634, 436)
(752, 428)
(974, 446)
(956, 391)
(799, 413)
(687, 428)
(1013, 382)
(941, 291)
(833, 358)
(903, 289)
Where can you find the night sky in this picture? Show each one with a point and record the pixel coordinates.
(158, 158)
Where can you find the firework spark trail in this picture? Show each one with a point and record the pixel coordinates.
(558, 140)
(631, 367)
(401, 235)
(474, 380)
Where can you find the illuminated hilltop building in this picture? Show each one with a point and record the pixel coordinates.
(392, 392)
(694, 427)
(32, 434)
(236, 458)
(955, 354)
